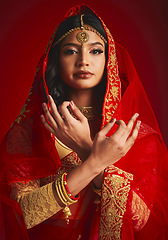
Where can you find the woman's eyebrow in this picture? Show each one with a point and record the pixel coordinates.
(71, 44)
(78, 45)
(96, 43)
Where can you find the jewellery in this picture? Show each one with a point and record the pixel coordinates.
(65, 196)
(90, 113)
(83, 36)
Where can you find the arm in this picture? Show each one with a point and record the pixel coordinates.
(75, 134)
(116, 146)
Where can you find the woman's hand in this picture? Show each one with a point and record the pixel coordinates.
(108, 150)
(74, 133)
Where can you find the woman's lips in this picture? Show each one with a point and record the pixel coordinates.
(83, 74)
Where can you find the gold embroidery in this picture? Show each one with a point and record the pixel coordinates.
(19, 189)
(113, 94)
(115, 192)
(52, 37)
(37, 70)
(114, 90)
(24, 109)
(22, 113)
(39, 205)
(139, 212)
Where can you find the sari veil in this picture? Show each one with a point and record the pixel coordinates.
(28, 152)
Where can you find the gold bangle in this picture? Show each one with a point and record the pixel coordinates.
(59, 194)
(65, 192)
(66, 210)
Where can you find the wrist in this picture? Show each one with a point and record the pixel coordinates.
(97, 181)
(85, 151)
(94, 168)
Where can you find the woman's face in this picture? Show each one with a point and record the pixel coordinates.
(82, 67)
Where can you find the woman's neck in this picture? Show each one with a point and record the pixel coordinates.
(85, 97)
(89, 98)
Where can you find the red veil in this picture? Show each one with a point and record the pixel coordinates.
(28, 152)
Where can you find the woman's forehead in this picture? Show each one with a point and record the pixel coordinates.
(76, 37)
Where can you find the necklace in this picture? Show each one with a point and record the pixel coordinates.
(90, 113)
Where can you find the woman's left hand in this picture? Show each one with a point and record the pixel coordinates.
(73, 132)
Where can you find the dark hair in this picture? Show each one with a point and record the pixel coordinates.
(57, 88)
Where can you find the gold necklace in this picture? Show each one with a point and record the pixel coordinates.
(90, 113)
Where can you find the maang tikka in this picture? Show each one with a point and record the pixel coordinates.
(82, 36)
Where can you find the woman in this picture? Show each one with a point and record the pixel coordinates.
(77, 174)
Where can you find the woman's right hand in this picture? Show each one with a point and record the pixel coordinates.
(108, 150)
(105, 152)
(74, 133)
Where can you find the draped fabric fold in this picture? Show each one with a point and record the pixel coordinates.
(141, 177)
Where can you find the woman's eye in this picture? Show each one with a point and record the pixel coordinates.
(97, 51)
(70, 52)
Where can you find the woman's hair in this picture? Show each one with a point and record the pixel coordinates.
(57, 88)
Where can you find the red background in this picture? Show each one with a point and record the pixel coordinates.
(26, 27)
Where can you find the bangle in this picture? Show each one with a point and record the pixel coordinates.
(64, 195)
(67, 190)
(67, 196)
(66, 209)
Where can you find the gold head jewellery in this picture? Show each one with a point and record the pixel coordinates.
(82, 36)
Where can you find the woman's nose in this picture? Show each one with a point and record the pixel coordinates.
(83, 59)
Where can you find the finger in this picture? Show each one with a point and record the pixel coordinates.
(124, 130)
(48, 115)
(129, 127)
(63, 108)
(105, 130)
(130, 141)
(56, 115)
(120, 130)
(76, 111)
(46, 124)
(132, 121)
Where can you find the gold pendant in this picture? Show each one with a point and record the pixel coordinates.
(82, 37)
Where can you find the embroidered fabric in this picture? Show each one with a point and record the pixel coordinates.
(139, 212)
(36, 197)
(116, 190)
(20, 189)
(37, 205)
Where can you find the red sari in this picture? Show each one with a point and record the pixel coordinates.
(136, 186)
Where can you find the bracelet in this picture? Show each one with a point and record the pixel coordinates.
(64, 195)
(66, 187)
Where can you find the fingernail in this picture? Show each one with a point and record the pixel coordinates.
(136, 115)
(43, 105)
(113, 120)
(139, 123)
(72, 103)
